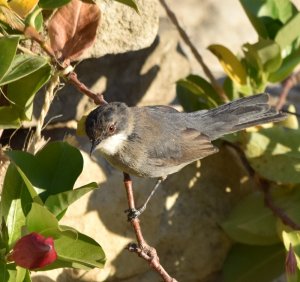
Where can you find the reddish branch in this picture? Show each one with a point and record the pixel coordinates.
(142, 249)
(287, 85)
(277, 211)
(194, 50)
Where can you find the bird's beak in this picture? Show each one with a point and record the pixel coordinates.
(92, 147)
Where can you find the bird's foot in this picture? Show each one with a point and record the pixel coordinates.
(134, 213)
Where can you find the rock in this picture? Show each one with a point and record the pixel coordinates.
(122, 29)
(181, 221)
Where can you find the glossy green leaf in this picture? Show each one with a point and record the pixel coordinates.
(8, 272)
(9, 117)
(22, 92)
(35, 20)
(21, 273)
(250, 222)
(230, 89)
(82, 252)
(58, 203)
(254, 263)
(195, 93)
(289, 32)
(50, 4)
(8, 47)
(130, 3)
(15, 202)
(40, 220)
(21, 66)
(52, 170)
(15, 221)
(275, 154)
(267, 17)
(230, 63)
(269, 54)
(288, 65)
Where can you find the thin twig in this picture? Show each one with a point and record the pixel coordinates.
(287, 86)
(142, 249)
(96, 97)
(194, 50)
(277, 211)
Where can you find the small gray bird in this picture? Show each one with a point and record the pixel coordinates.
(156, 141)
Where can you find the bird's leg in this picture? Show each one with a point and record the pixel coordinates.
(134, 213)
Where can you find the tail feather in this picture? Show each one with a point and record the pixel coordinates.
(237, 115)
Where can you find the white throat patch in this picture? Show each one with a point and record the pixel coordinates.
(112, 144)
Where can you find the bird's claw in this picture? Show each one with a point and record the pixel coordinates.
(134, 213)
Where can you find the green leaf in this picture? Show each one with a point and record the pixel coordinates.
(22, 91)
(23, 65)
(254, 263)
(268, 52)
(50, 4)
(8, 47)
(195, 93)
(275, 154)
(130, 3)
(15, 221)
(82, 252)
(59, 203)
(21, 273)
(40, 220)
(9, 117)
(15, 203)
(230, 89)
(250, 222)
(230, 63)
(289, 32)
(8, 272)
(267, 17)
(288, 65)
(52, 170)
(12, 186)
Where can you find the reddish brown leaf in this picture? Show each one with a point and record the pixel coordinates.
(72, 29)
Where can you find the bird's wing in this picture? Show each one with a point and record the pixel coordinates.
(190, 145)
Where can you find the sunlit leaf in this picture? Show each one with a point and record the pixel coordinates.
(22, 7)
(275, 153)
(50, 4)
(289, 32)
(230, 63)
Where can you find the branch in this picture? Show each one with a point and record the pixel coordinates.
(195, 52)
(142, 249)
(287, 85)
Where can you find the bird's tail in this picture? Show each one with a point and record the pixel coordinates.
(238, 115)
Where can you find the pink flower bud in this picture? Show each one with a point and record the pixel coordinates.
(33, 251)
(291, 262)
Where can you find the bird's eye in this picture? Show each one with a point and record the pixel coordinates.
(112, 128)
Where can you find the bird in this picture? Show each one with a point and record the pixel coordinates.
(156, 141)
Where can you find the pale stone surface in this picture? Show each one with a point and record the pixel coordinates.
(122, 29)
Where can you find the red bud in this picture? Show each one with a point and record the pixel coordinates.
(291, 262)
(33, 251)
